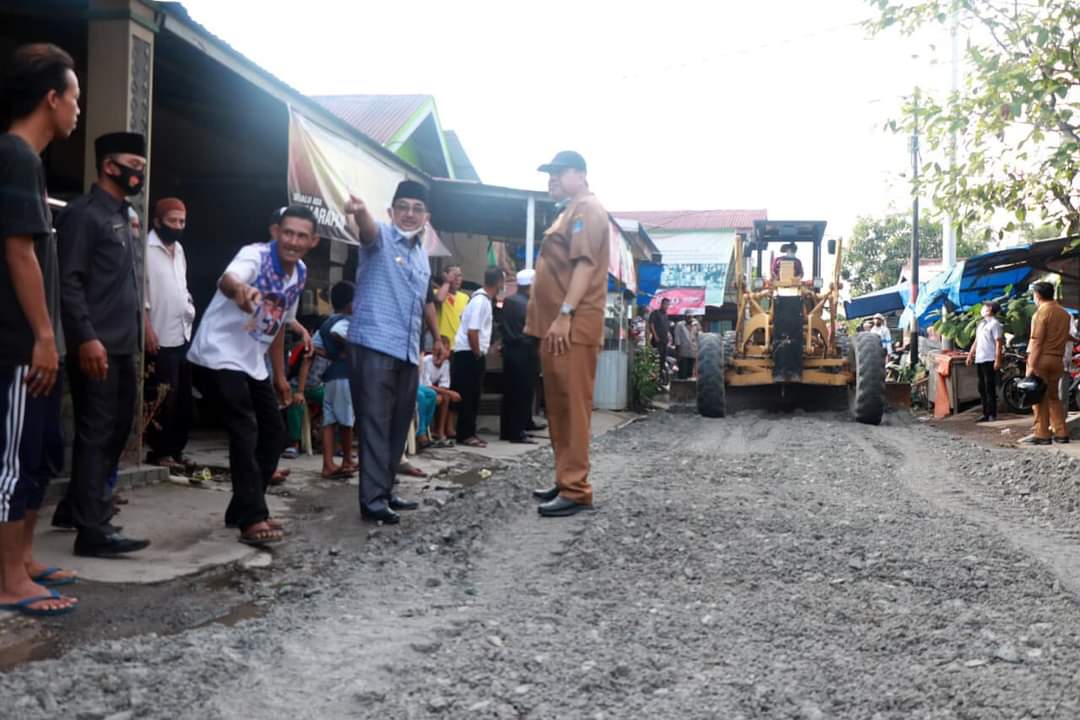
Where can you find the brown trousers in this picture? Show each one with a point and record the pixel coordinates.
(568, 399)
(1050, 413)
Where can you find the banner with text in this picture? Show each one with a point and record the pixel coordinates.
(682, 299)
(324, 168)
(696, 258)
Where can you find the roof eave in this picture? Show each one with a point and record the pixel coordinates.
(215, 48)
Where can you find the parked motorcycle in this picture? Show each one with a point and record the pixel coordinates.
(1073, 397)
(1013, 369)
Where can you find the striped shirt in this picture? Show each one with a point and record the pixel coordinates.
(392, 276)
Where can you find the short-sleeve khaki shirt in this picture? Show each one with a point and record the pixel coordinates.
(1050, 328)
(581, 233)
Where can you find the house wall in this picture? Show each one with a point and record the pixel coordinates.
(471, 252)
(220, 144)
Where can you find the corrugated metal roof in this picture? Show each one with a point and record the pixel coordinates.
(695, 219)
(380, 117)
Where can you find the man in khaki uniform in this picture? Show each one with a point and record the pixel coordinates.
(1046, 353)
(566, 311)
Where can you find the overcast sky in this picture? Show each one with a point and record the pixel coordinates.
(775, 104)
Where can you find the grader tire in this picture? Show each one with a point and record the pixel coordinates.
(867, 359)
(711, 395)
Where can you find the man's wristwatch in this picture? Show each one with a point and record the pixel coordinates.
(567, 310)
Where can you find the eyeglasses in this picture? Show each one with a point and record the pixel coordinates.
(409, 208)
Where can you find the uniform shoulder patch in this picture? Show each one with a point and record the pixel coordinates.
(577, 226)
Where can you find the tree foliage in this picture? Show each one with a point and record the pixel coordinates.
(880, 247)
(1016, 116)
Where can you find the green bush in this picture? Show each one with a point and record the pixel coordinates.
(644, 378)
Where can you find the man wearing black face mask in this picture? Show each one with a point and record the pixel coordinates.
(170, 313)
(100, 309)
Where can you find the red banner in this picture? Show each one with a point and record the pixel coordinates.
(682, 299)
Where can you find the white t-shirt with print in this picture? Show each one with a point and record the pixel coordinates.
(432, 375)
(477, 316)
(230, 339)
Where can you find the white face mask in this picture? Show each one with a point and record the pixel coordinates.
(408, 234)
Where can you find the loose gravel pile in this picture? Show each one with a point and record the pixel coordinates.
(751, 567)
(1045, 483)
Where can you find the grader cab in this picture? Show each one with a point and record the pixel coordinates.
(786, 327)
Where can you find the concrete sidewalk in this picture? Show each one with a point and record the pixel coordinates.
(1010, 430)
(185, 522)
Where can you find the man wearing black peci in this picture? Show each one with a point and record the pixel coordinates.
(100, 289)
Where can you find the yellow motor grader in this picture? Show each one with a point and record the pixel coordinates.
(786, 328)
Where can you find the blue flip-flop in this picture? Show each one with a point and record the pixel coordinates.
(46, 579)
(23, 606)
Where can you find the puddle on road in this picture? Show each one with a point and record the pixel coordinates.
(465, 479)
(31, 644)
(28, 646)
(246, 611)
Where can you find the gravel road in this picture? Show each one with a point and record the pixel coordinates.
(759, 566)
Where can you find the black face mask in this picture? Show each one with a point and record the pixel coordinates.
(124, 180)
(170, 235)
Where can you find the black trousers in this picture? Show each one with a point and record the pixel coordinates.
(520, 366)
(686, 368)
(167, 434)
(384, 400)
(662, 350)
(104, 412)
(988, 381)
(249, 411)
(467, 378)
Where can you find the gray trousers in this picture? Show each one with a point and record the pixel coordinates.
(384, 399)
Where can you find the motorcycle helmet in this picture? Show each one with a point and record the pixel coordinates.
(1031, 391)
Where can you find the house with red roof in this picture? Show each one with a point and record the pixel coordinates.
(408, 126)
(697, 247)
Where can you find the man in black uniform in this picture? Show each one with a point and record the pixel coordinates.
(101, 313)
(520, 365)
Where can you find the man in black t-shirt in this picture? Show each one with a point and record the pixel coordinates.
(41, 94)
(660, 331)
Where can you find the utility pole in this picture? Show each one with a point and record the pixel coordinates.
(948, 238)
(915, 230)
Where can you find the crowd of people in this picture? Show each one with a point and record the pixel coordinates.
(656, 329)
(80, 293)
(1054, 333)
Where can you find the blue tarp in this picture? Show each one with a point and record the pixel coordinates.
(891, 299)
(648, 278)
(968, 283)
